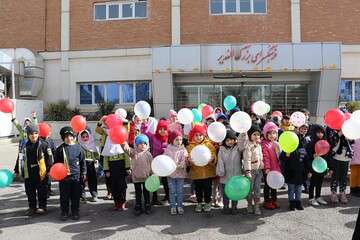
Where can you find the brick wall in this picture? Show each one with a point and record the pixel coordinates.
(85, 33)
(199, 26)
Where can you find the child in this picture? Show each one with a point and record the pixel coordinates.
(178, 153)
(355, 170)
(92, 156)
(340, 167)
(253, 165)
(294, 173)
(202, 176)
(158, 143)
(229, 165)
(70, 154)
(285, 124)
(134, 129)
(141, 169)
(304, 140)
(271, 152)
(35, 162)
(316, 179)
(173, 122)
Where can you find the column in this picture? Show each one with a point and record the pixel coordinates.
(295, 21)
(175, 22)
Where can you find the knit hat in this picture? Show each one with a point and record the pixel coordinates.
(230, 134)
(221, 116)
(254, 128)
(141, 139)
(197, 129)
(174, 134)
(162, 124)
(32, 128)
(269, 126)
(66, 131)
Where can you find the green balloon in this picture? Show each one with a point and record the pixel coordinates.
(201, 105)
(237, 188)
(288, 141)
(319, 165)
(230, 103)
(152, 183)
(6, 178)
(197, 115)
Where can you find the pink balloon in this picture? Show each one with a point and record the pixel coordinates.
(44, 129)
(334, 118)
(206, 111)
(6, 105)
(78, 123)
(322, 147)
(112, 121)
(118, 134)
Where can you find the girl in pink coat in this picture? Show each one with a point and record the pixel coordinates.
(271, 152)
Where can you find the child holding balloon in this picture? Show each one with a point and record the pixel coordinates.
(202, 176)
(141, 169)
(271, 151)
(178, 153)
(355, 170)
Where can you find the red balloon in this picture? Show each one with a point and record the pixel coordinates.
(118, 134)
(112, 121)
(58, 171)
(44, 129)
(206, 111)
(334, 118)
(322, 147)
(6, 105)
(78, 123)
(277, 114)
(347, 116)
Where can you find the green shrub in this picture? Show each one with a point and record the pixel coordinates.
(353, 106)
(59, 111)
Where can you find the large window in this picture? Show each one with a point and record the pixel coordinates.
(238, 7)
(349, 90)
(286, 98)
(120, 10)
(117, 92)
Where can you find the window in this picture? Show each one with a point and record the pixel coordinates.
(115, 92)
(346, 91)
(238, 6)
(120, 10)
(357, 91)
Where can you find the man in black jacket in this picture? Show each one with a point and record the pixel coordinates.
(72, 156)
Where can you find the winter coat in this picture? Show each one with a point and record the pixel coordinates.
(229, 163)
(207, 171)
(140, 165)
(179, 155)
(310, 150)
(294, 166)
(356, 156)
(156, 146)
(271, 152)
(252, 157)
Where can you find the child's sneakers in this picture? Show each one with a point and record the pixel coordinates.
(269, 205)
(257, 210)
(173, 211)
(292, 205)
(198, 208)
(207, 207)
(321, 201)
(275, 204)
(192, 198)
(334, 198)
(180, 211)
(137, 211)
(298, 206)
(343, 198)
(314, 203)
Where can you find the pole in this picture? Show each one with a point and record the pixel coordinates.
(13, 78)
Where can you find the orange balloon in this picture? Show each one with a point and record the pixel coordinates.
(78, 123)
(118, 134)
(6, 105)
(58, 171)
(44, 129)
(112, 121)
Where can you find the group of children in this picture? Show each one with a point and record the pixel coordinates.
(253, 154)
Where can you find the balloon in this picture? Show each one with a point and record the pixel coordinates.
(78, 123)
(185, 116)
(216, 132)
(356, 115)
(237, 188)
(288, 141)
(298, 119)
(152, 125)
(113, 120)
(6, 105)
(152, 183)
(277, 114)
(200, 155)
(319, 165)
(334, 118)
(268, 108)
(200, 107)
(163, 166)
(187, 129)
(348, 115)
(275, 179)
(351, 129)
(230, 103)
(240, 122)
(118, 134)
(142, 109)
(260, 108)
(121, 113)
(58, 172)
(206, 111)
(197, 115)
(6, 178)
(44, 129)
(322, 147)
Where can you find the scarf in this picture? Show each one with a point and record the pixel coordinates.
(88, 145)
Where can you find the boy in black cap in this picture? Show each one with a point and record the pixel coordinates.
(73, 158)
(35, 160)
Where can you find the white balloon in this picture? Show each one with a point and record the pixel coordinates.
(200, 155)
(260, 108)
(298, 119)
(142, 109)
(187, 128)
(152, 125)
(216, 132)
(240, 122)
(121, 113)
(356, 115)
(163, 166)
(351, 129)
(275, 180)
(185, 116)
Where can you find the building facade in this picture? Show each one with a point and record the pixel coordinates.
(179, 53)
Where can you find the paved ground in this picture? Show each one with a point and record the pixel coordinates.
(98, 221)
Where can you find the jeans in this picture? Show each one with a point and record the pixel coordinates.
(294, 192)
(176, 191)
(339, 177)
